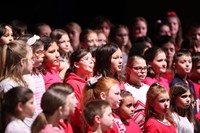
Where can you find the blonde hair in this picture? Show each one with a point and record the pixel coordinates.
(11, 55)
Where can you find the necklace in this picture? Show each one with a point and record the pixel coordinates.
(164, 122)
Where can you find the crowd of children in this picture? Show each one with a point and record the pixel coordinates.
(107, 78)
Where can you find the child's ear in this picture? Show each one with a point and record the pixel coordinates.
(60, 111)
(20, 107)
(97, 119)
(22, 61)
(76, 65)
(103, 95)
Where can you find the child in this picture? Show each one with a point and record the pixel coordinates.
(158, 118)
(88, 38)
(175, 27)
(126, 112)
(136, 72)
(108, 61)
(194, 75)
(51, 63)
(16, 61)
(74, 30)
(105, 88)
(81, 68)
(18, 104)
(37, 84)
(138, 28)
(98, 114)
(119, 34)
(6, 34)
(64, 45)
(181, 108)
(157, 66)
(57, 104)
(182, 63)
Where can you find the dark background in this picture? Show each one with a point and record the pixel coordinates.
(58, 12)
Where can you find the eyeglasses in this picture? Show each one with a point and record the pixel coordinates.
(140, 69)
(87, 59)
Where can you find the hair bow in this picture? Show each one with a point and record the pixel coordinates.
(92, 81)
(171, 13)
(32, 40)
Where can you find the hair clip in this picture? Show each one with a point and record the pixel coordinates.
(171, 13)
(159, 21)
(32, 40)
(92, 81)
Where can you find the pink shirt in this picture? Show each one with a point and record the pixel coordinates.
(164, 82)
(50, 77)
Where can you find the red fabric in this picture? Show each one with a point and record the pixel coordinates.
(78, 84)
(154, 126)
(66, 126)
(118, 126)
(50, 77)
(132, 127)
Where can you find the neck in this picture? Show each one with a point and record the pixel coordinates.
(136, 85)
(82, 75)
(97, 129)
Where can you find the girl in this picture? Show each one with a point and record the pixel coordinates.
(18, 104)
(119, 34)
(158, 118)
(58, 102)
(126, 112)
(157, 66)
(108, 61)
(81, 68)
(181, 108)
(74, 30)
(138, 28)
(88, 38)
(6, 34)
(101, 23)
(51, 63)
(175, 27)
(104, 88)
(136, 72)
(64, 45)
(167, 43)
(98, 114)
(16, 61)
(37, 84)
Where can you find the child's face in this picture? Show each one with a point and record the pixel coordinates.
(52, 56)
(38, 56)
(29, 108)
(107, 119)
(64, 44)
(159, 64)
(138, 71)
(140, 29)
(116, 61)
(183, 65)
(114, 96)
(161, 103)
(7, 37)
(169, 49)
(126, 110)
(71, 103)
(86, 64)
(183, 101)
(121, 37)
